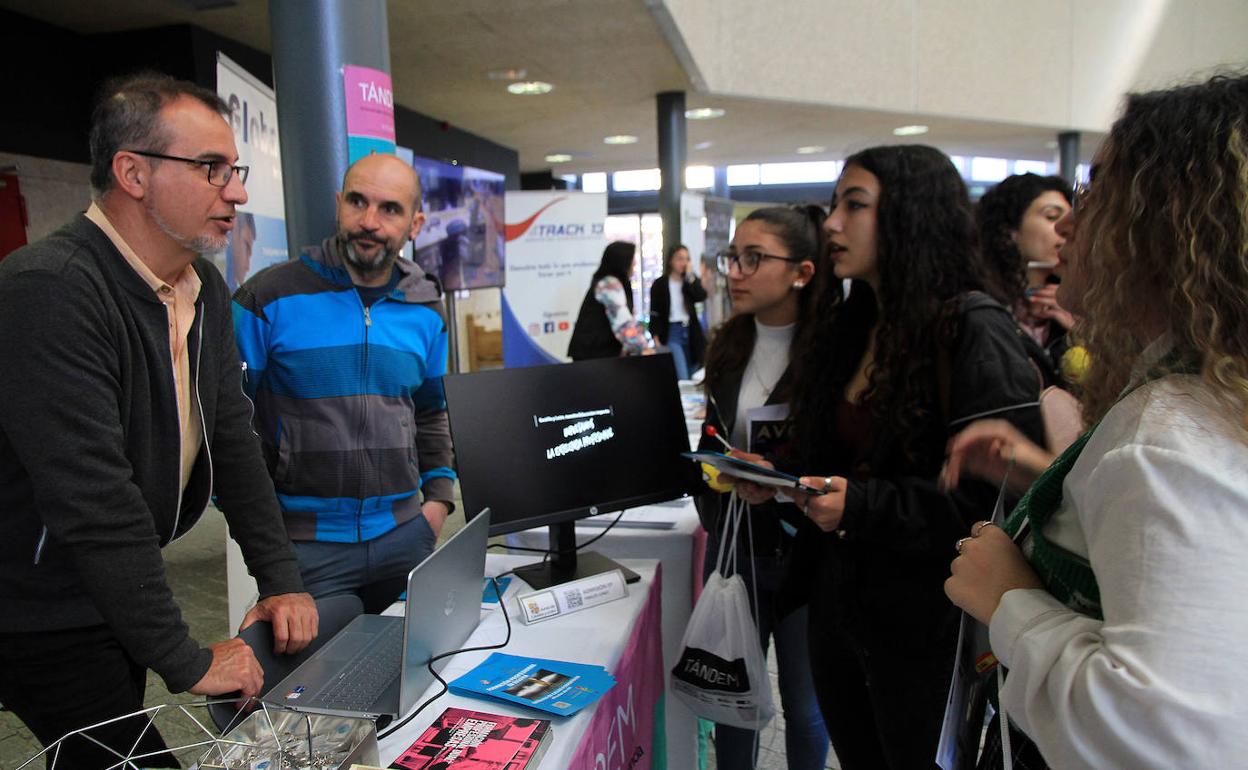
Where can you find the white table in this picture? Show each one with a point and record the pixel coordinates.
(597, 635)
(675, 549)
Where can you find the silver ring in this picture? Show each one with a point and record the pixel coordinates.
(827, 484)
(806, 507)
(958, 545)
(979, 527)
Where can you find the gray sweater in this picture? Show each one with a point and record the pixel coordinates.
(89, 450)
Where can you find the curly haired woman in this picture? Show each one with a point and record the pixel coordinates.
(1121, 618)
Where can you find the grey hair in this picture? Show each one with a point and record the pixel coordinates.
(127, 116)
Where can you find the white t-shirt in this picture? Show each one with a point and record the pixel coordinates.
(678, 314)
(768, 361)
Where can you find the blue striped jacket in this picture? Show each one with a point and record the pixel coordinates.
(348, 399)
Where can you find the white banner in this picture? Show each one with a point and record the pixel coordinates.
(554, 244)
(259, 237)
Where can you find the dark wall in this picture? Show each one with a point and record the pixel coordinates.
(48, 112)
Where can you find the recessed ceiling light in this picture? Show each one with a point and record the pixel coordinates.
(811, 149)
(704, 113)
(703, 145)
(909, 130)
(530, 88)
(558, 157)
(511, 74)
(620, 139)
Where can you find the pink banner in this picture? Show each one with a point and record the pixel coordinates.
(370, 111)
(621, 734)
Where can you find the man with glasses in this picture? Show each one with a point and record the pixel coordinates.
(121, 411)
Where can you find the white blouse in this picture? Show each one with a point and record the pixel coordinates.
(1158, 503)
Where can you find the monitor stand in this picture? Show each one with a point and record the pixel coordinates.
(566, 564)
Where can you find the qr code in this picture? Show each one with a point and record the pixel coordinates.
(574, 600)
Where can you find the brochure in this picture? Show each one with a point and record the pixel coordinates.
(479, 740)
(759, 474)
(489, 598)
(556, 686)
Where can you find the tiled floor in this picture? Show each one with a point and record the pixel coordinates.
(196, 567)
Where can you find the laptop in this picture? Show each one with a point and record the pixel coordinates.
(375, 667)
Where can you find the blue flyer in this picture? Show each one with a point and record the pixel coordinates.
(556, 686)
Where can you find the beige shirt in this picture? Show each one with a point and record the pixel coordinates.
(179, 301)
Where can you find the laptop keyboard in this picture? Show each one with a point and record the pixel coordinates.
(367, 674)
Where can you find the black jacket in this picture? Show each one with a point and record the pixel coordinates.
(661, 310)
(592, 336)
(769, 539)
(882, 578)
(90, 444)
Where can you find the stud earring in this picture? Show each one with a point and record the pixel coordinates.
(798, 284)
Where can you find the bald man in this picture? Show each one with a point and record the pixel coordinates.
(343, 352)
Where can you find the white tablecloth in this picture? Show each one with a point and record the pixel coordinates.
(597, 635)
(673, 547)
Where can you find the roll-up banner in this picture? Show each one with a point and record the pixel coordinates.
(259, 236)
(554, 244)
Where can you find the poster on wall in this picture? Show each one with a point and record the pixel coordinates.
(717, 236)
(554, 244)
(259, 236)
(370, 111)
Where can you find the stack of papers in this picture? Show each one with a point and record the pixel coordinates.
(555, 686)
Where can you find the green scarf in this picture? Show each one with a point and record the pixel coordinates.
(1065, 575)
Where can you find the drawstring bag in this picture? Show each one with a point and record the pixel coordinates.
(721, 674)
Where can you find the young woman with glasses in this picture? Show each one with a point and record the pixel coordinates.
(770, 267)
(914, 351)
(1121, 618)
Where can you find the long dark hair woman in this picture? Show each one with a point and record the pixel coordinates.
(771, 270)
(1018, 235)
(913, 352)
(673, 315)
(605, 325)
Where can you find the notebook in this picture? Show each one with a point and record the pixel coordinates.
(376, 665)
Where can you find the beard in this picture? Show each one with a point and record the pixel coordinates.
(204, 245)
(367, 264)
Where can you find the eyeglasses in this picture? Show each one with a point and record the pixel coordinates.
(219, 172)
(747, 262)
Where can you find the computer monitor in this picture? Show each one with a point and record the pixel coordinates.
(546, 445)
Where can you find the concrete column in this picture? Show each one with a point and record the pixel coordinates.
(720, 189)
(1068, 155)
(671, 114)
(312, 40)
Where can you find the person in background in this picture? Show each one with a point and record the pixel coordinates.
(605, 326)
(121, 412)
(1121, 617)
(345, 349)
(238, 254)
(673, 317)
(770, 268)
(1017, 230)
(895, 368)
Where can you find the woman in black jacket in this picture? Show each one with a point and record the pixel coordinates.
(912, 353)
(1018, 236)
(676, 324)
(770, 268)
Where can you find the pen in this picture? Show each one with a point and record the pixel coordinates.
(710, 431)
